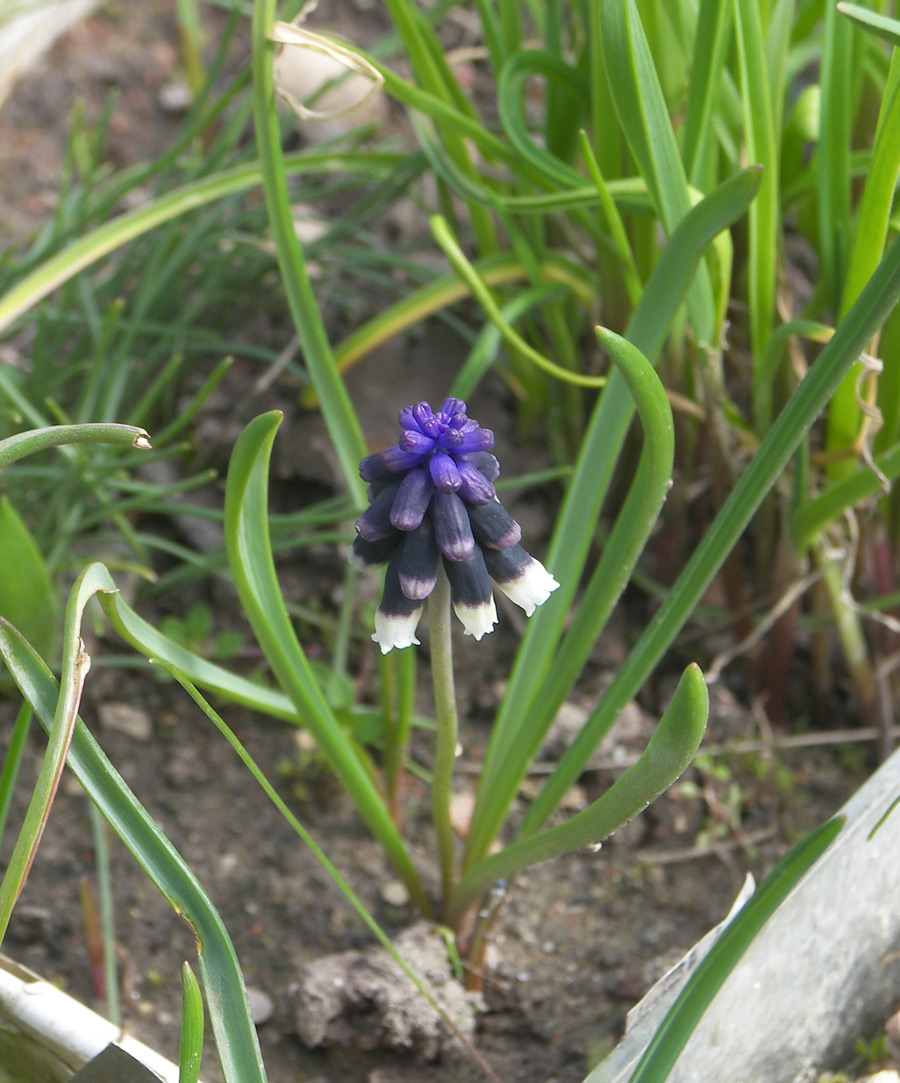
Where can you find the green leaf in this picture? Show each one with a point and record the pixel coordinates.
(869, 239)
(34, 440)
(337, 409)
(713, 24)
(881, 25)
(252, 565)
(642, 113)
(667, 755)
(763, 216)
(511, 741)
(27, 596)
(227, 998)
(191, 1052)
(867, 315)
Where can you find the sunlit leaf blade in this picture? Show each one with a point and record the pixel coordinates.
(644, 119)
(870, 237)
(684, 1015)
(252, 565)
(668, 753)
(21, 444)
(511, 740)
(27, 594)
(337, 410)
(867, 315)
(883, 26)
(762, 258)
(228, 1005)
(191, 1051)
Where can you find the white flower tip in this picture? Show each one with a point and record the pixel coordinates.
(392, 631)
(532, 588)
(477, 620)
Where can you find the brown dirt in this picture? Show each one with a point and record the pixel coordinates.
(578, 941)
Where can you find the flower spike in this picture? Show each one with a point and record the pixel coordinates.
(432, 501)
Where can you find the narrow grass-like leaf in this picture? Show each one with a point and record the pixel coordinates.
(107, 915)
(488, 344)
(713, 24)
(12, 762)
(645, 122)
(154, 644)
(869, 239)
(447, 290)
(762, 260)
(865, 318)
(27, 592)
(511, 98)
(687, 1011)
(21, 444)
(621, 552)
(75, 666)
(320, 856)
(668, 753)
(63, 266)
(253, 568)
(443, 235)
(227, 998)
(833, 175)
(190, 1053)
(883, 26)
(813, 516)
(337, 409)
(577, 521)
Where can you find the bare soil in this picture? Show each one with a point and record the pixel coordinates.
(578, 941)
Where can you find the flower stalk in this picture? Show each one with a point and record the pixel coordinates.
(447, 729)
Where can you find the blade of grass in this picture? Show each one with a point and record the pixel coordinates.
(99, 830)
(576, 524)
(763, 217)
(226, 995)
(865, 318)
(21, 444)
(78, 255)
(320, 856)
(13, 762)
(75, 666)
(192, 1025)
(466, 271)
(833, 175)
(668, 754)
(253, 570)
(869, 239)
(644, 118)
(713, 24)
(337, 409)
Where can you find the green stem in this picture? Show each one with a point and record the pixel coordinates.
(850, 633)
(447, 727)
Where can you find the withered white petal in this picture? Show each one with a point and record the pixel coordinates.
(530, 589)
(396, 631)
(477, 620)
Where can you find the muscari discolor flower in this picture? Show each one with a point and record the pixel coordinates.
(431, 499)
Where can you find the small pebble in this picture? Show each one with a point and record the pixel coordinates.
(262, 1007)
(395, 893)
(175, 98)
(127, 719)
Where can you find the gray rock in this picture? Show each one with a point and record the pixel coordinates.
(363, 999)
(822, 973)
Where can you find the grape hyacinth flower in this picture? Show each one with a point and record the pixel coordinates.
(432, 501)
